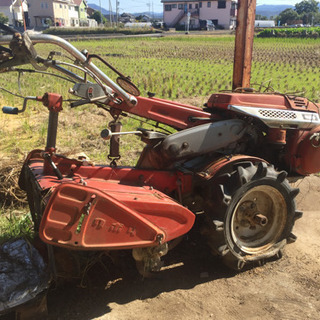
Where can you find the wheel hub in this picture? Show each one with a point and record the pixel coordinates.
(249, 216)
(258, 219)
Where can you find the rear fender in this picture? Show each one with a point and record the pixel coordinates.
(225, 164)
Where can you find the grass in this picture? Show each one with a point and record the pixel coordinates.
(310, 32)
(15, 224)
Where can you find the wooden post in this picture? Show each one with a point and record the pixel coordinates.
(244, 44)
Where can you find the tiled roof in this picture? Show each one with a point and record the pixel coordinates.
(77, 2)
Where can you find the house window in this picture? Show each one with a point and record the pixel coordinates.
(190, 6)
(209, 4)
(46, 6)
(42, 5)
(60, 6)
(197, 5)
(174, 6)
(222, 4)
(180, 6)
(200, 4)
(167, 7)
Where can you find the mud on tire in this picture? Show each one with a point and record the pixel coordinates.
(251, 215)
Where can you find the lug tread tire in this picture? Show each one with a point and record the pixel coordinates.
(227, 195)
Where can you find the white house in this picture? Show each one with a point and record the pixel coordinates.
(15, 11)
(222, 13)
(73, 14)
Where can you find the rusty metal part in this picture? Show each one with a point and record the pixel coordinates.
(302, 155)
(258, 219)
(52, 101)
(115, 126)
(225, 163)
(244, 44)
(277, 136)
(148, 259)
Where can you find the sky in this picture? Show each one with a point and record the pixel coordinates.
(144, 5)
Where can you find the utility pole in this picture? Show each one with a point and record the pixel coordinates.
(100, 12)
(149, 6)
(152, 11)
(243, 44)
(188, 23)
(117, 11)
(110, 12)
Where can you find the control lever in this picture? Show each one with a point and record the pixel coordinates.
(106, 134)
(15, 110)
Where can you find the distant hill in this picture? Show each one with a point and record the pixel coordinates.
(105, 12)
(96, 7)
(271, 10)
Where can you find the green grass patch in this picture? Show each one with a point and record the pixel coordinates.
(311, 32)
(15, 224)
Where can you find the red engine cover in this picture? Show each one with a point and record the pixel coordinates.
(273, 101)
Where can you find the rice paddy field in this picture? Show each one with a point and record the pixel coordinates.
(185, 68)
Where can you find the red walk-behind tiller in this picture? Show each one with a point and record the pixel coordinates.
(217, 168)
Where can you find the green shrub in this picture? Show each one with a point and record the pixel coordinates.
(313, 32)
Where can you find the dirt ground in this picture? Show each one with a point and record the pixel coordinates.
(195, 285)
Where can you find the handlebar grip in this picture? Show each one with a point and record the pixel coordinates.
(10, 110)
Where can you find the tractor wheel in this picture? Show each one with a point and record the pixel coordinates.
(253, 214)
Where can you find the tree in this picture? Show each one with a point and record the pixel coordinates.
(98, 17)
(307, 6)
(3, 19)
(287, 15)
(261, 17)
(316, 18)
